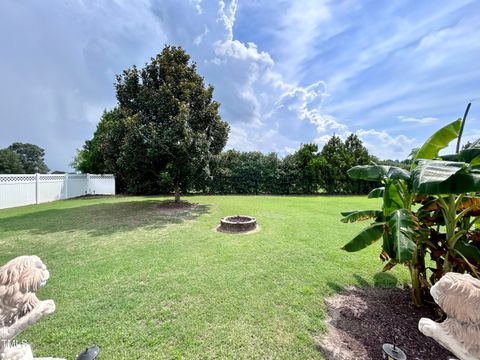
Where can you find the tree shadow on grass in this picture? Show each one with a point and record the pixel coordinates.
(103, 219)
(385, 279)
(380, 279)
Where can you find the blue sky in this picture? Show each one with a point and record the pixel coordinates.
(286, 72)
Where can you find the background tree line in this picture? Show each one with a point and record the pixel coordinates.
(22, 158)
(307, 171)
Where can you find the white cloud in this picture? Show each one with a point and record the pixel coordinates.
(239, 139)
(324, 122)
(198, 6)
(323, 139)
(237, 50)
(227, 13)
(386, 146)
(198, 40)
(423, 120)
(297, 31)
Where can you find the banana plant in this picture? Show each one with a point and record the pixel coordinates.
(452, 186)
(406, 239)
(449, 180)
(395, 223)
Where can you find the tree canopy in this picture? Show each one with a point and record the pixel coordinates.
(10, 162)
(22, 158)
(165, 130)
(31, 157)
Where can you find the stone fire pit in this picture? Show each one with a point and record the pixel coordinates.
(237, 223)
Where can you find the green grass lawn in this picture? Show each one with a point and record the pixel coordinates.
(143, 284)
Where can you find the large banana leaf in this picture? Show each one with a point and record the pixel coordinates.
(393, 197)
(358, 215)
(468, 250)
(461, 183)
(451, 157)
(429, 174)
(366, 237)
(471, 156)
(399, 241)
(368, 172)
(445, 177)
(376, 193)
(396, 173)
(475, 161)
(468, 155)
(377, 172)
(438, 141)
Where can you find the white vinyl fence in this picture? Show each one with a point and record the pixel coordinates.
(26, 189)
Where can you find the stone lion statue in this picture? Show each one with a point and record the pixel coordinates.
(459, 297)
(20, 278)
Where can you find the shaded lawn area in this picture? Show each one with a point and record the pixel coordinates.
(147, 284)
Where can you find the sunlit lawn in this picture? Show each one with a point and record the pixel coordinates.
(144, 284)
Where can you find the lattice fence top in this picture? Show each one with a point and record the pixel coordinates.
(105, 176)
(77, 176)
(13, 178)
(50, 177)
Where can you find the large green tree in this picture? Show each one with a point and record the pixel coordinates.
(31, 157)
(245, 172)
(336, 158)
(165, 130)
(10, 162)
(289, 176)
(356, 154)
(308, 162)
(100, 154)
(334, 166)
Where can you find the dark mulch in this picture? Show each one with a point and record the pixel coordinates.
(172, 206)
(360, 321)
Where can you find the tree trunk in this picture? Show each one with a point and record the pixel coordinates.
(177, 193)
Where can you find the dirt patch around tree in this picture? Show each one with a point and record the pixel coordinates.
(360, 321)
(171, 207)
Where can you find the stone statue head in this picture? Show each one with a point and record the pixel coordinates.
(20, 278)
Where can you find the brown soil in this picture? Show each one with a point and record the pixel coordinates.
(171, 207)
(360, 321)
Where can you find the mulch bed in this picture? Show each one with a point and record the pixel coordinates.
(170, 207)
(360, 321)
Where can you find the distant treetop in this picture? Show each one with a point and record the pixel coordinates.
(22, 158)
